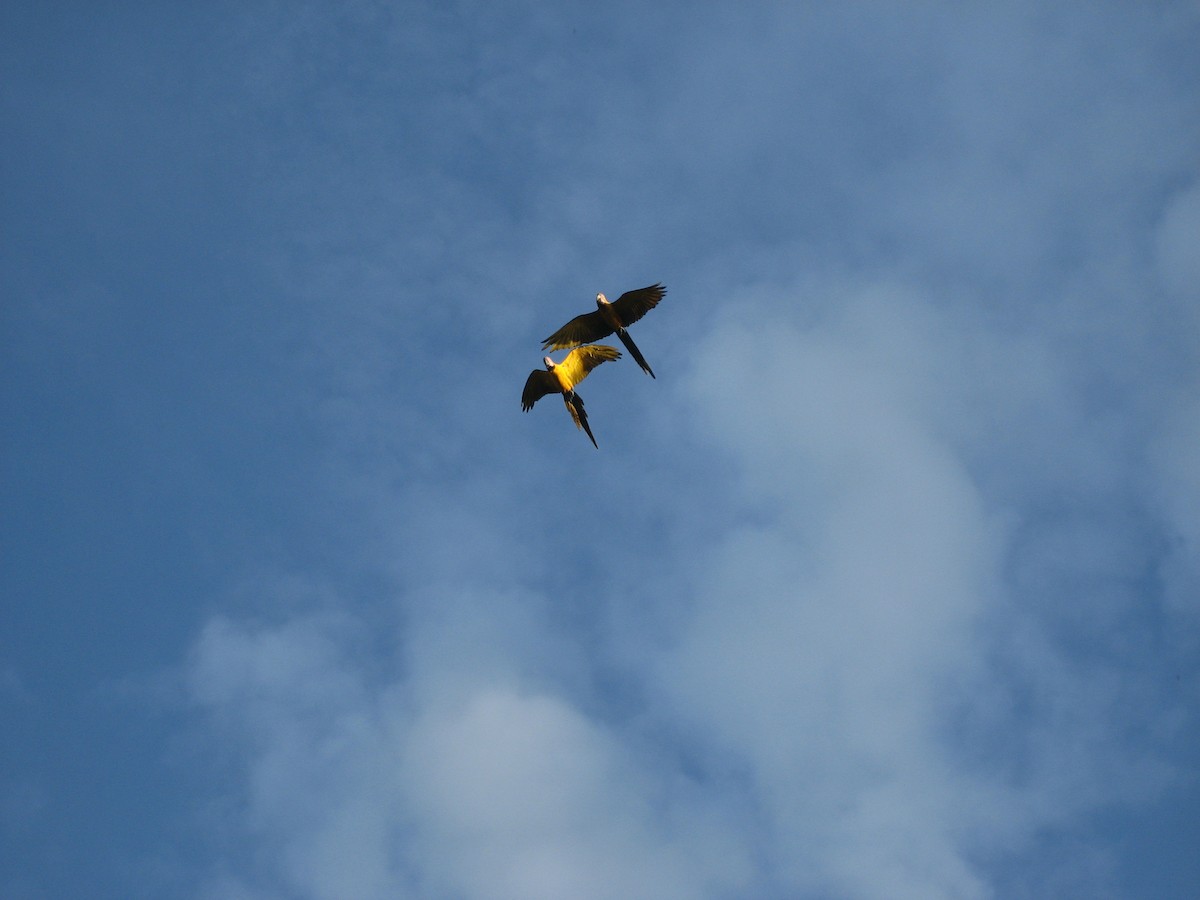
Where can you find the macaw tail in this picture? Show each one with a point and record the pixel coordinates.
(579, 414)
(635, 352)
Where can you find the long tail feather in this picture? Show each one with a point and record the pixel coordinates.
(635, 352)
(579, 414)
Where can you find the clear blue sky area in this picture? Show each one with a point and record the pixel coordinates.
(887, 586)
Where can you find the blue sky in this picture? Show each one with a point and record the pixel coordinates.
(888, 586)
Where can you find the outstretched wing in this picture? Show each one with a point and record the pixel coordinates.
(580, 330)
(538, 385)
(582, 360)
(632, 305)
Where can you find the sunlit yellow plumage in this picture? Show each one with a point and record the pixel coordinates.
(582, 360)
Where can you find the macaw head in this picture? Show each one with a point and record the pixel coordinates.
(601, 300)
(549, 363)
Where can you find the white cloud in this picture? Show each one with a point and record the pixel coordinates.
(522, 796)
(825, 636)
(875, 601)
(464, 788)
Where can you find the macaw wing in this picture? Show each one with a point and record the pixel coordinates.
(580, 330)
(537, 385)
(582, 360)
(632, 305)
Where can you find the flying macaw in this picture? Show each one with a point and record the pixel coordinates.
(609, 318)
(561, 378)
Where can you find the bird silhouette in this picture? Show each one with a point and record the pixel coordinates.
(561, 378)
(607, 319)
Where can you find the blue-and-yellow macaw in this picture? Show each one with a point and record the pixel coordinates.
(561, 378)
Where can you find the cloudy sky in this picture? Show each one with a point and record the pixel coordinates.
(888, 586)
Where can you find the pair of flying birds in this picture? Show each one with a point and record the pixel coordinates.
(561, 378)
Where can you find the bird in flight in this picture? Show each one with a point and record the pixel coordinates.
(609, 318)
(561, 378)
